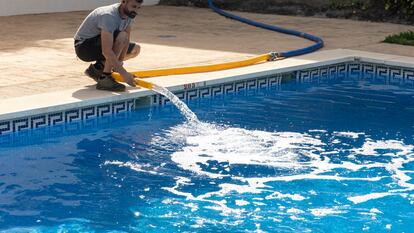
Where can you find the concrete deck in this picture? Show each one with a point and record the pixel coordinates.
(37, 55)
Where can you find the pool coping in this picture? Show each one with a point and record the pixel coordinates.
(26, 106)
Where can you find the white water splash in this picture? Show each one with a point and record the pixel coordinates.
(188, 114)
(304, 153)
(320, 212)
(290, 151)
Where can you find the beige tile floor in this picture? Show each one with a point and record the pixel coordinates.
(37, 57)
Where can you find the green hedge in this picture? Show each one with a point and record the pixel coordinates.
(402, 8)
(376, 10)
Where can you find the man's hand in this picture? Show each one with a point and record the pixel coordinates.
(129, 79)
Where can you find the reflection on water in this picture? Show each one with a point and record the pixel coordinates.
(331, 157)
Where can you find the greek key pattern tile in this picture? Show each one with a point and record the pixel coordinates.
(369, 71)
(65, 117)
(221, 89)
(73, 117)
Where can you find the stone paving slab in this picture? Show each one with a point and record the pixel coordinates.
(37, 55)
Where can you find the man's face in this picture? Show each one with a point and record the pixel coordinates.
(131, 8)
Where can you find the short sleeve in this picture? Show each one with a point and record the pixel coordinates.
(107, 23)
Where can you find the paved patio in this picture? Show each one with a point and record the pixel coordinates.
(37, 56)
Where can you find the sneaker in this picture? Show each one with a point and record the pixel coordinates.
(93, 72)
(107, 83)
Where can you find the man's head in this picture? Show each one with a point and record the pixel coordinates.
(130, 7)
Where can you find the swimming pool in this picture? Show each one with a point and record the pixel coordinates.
(322, 155)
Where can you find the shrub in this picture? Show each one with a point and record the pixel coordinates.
(403, 38)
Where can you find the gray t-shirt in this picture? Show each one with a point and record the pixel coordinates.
(103, 18)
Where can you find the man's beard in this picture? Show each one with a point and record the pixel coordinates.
(130, 14)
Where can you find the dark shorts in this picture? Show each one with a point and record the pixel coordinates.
(91, 49)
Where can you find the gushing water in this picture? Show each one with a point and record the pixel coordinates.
(188, 114)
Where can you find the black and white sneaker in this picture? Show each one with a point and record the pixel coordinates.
(107, 83)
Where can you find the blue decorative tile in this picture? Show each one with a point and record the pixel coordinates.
(314, 73)
(181, 95)
(119, 107)
(275, 81)
(38, 121)
(217, 90)
(56, 118)
(408, 76)
(5, 127)
(88, 113)
(251, 84)
(72, 115)
(204, 92)
(332, 71)
(354, 69)
(130, 105)
(342, 70)
(103, 110)
(382, 72)
(396, 76)
(368, 70)
(262, 82)
(304, 76)
(229, 87)
(323, 72)
(155, 99)
(240, 86)
(163, 100)
(193, 94)
(21, 124)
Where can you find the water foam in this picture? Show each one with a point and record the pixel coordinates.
(304, 153)
(217, 151)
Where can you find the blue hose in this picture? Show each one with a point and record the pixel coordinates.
(318, 41)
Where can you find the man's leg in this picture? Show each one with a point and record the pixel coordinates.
(106, 82)
(121, 42)
(88, 51)
(134, 52)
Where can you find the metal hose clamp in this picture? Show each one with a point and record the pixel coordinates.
(273, 56)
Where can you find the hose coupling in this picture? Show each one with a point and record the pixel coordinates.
(273, 56)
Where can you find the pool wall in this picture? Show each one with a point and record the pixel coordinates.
(394, 73)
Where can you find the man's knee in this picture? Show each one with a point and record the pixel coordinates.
(135, 51)
(122, 38)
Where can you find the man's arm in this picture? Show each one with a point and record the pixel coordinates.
(107, 51)
(125, 51)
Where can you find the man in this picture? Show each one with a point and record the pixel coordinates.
(104, 37)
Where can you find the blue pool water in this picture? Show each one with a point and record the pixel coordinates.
(336, 156)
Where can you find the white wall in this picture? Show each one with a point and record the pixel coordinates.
(21, 7)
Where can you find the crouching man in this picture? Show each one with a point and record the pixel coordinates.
(104, 38)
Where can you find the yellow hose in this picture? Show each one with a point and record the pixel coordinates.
(190, 70)
(138, 82)
(144, 84)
